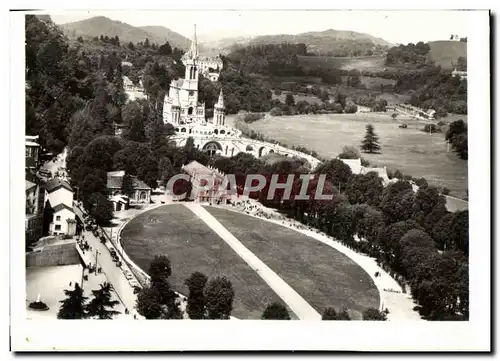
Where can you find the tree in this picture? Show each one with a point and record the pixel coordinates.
(275, 311)
(158, 300)
(101, 208)
(337, 172)
(365, 188)
(397, 201)
(101, 306)
(148, 303)
(349, 153)
(329, 314)
(165, 170)
(196, 298)
(343, 315)
(372, 314)
(127, 185)
(73, 307)
(370, 142)
(219, 297)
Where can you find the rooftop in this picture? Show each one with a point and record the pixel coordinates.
(62, 206)
(56, 183)
(115, 181)
(29, 184)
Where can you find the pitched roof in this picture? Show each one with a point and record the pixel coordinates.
(56, 183)
(115, 181)
(29, 184)
(354, 164)
(195, 168)
(62, 206)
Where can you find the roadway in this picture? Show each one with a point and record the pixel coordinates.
(113, 273)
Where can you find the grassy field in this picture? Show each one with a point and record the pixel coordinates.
(446, 53)
(311, 99)
(409, 150)
(373, 63)
(192, 246)
(319, 273)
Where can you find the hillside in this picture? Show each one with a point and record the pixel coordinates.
(162, 32)
(101, 25)
(446, 53)
(330, 42)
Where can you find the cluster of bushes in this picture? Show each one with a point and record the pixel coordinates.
(457, 136)
(408, 54)
(270, 59)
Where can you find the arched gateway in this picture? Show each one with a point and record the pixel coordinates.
(212, 147)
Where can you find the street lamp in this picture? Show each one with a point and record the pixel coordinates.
(97, 253)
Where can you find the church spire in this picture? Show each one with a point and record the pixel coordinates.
(220, 102)
(194, 45)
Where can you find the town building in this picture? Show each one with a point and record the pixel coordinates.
(132, 90)
(199, 175)
(60, 200)
(34, 210)
(32, 149)
(182, 105)
(140, 192)
(461, 74)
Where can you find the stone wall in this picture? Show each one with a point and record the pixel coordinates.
(54, 255)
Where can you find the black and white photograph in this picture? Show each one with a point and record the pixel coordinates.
(302, 172)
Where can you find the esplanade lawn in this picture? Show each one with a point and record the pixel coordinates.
(174, 231)
(323, 276)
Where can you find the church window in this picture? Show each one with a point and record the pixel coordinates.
(190, 110)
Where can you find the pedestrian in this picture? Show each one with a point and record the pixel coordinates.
(126, 311)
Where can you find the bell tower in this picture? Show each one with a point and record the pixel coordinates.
(219, 110)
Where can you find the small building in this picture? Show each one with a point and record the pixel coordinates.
(120, 202)
(34, 211)
(63, 221)
(199, 174)
(32, 148)
(59, 191)
(140, 191)
(354, 164)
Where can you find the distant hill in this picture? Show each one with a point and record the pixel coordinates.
(174, 38)
(446, 52)
(100, 25)
(329, 42)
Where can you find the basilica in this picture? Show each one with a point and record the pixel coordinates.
(181, 107)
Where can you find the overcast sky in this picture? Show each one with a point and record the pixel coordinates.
(394, 26)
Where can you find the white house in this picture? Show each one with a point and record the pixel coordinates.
(59, 191)
(63, 220)
(60, 197)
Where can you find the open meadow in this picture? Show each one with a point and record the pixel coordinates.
(323, 276)
(192, 246)
(410, 150)
(372, 63)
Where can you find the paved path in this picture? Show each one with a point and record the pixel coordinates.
(114, 274)
(297, 304)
